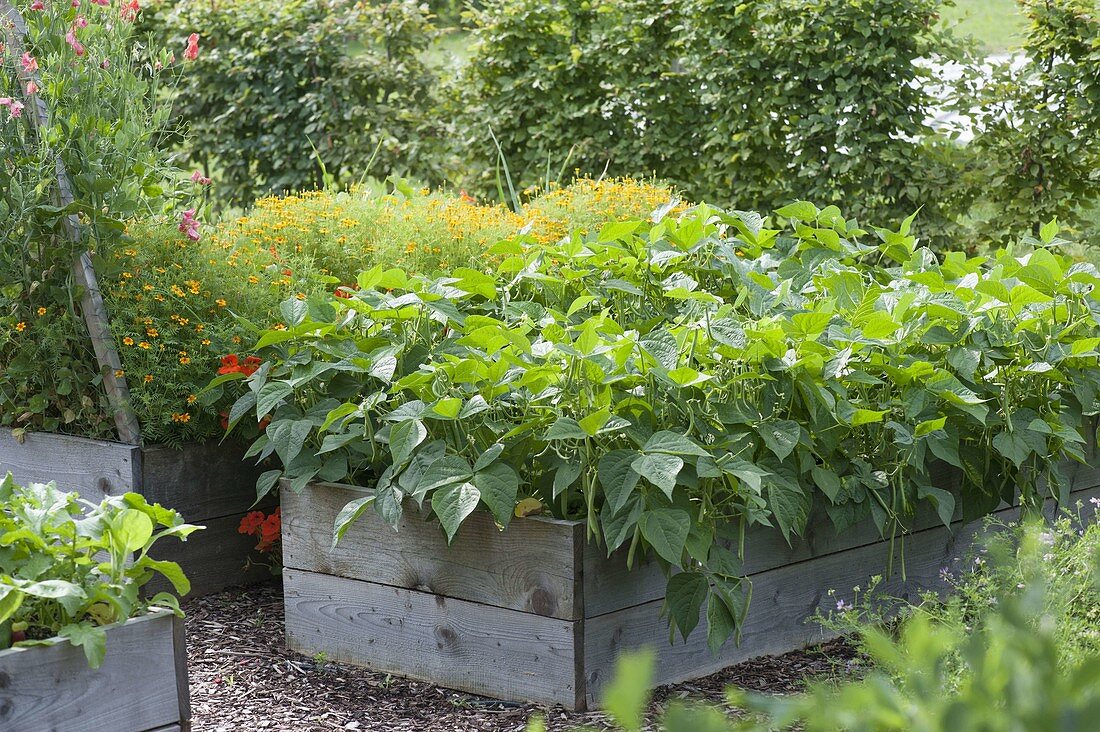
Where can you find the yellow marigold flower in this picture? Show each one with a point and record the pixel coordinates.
(148, 378)
(191, 398)
(144, 345)
(236, 339)
(128, 341)
(185, 360)
(279, 326)
(200, 328)
(147, 288)
(206, 341)
(152, 332)
(177, 291)
(126, 276)
(158, 297)
(119, 373)
(20, 326)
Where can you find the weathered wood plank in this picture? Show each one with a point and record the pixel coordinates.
(200, 480)
(212, 559)
(94, 468)
(783, 599)
(454, 643)
(532, 566)
(183, 688)
(610, 586)
(136, 688)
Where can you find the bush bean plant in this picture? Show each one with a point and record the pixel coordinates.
(66, 568)
(674, 380)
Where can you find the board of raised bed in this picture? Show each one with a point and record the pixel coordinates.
(141, 686)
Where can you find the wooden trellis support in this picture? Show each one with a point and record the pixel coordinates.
(91, 302)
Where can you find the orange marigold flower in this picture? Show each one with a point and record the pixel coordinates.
(119, 373)
(220, 302)
(41, 312)
(144, 345)
(191, 398)
(148, 378)
(128, 341)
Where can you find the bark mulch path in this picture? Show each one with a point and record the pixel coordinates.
(243, 677)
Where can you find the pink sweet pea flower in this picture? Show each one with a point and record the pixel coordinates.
(129, 10)
(103, 3)
(32, 88)
(198, 177)
(192, 51)
(30, 63)
(81, 22)
(15, 107)
(77, 46)
(38, 5)
(189, 225)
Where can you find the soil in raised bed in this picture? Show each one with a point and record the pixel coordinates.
(243, 677)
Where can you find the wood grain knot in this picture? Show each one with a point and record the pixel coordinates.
(5, 680)
(445, 638)
(542, 602)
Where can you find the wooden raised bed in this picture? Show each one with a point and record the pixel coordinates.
(209, 484)
(535, 613)
(141, 686)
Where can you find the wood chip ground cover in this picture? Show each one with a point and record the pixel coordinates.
(243, 677)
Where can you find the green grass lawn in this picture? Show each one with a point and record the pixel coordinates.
(996, 24)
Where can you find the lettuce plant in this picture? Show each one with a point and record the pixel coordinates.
(672, 382)
(68, 567)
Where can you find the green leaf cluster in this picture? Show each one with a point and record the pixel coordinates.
(68, 567)
(296, 96)
(672, 382)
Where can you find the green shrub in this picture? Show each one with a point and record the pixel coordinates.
(673, 382)
(281, 89)
(1039, 122)
(749, 104)
(66, 569)
(578, 84)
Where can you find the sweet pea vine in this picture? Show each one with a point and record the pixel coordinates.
(672, 382)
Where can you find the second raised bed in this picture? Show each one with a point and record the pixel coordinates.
(536, 613)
